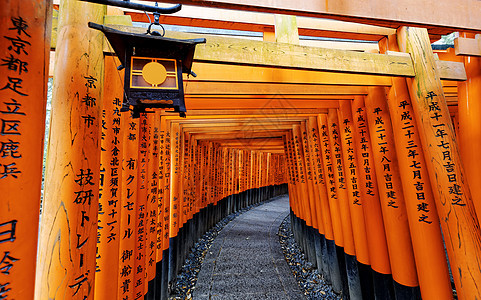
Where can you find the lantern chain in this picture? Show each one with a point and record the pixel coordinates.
(156, 22)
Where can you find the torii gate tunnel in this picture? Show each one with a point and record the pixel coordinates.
(375, 137)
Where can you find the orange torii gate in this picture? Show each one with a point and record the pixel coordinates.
(369, 155)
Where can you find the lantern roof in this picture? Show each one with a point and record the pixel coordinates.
(150, 45)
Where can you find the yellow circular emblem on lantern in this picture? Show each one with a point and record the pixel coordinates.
(154, 73)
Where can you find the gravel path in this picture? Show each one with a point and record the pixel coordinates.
(308, 278)
(244, 257)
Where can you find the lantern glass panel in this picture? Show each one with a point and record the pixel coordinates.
(153, 73)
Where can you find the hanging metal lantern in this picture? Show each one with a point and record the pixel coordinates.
(153, 68)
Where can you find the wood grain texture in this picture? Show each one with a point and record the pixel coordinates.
(235, 51)
(467, 46)
(23, 99)
(463, 15)
(67, 243)
(453, 199)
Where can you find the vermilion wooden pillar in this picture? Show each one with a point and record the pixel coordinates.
(350, 265)
(175, 174)
(183, 199)
(24, 58)
(311, 177)
(67, 245)
(452, 196)
(330, 181)
(423, 219)
(356, 201)
(293, 202)
(376, 237)
(141, 213)
(323, 194)
(163, 212)
(340, 181)
(164, 190)
(128, 205)
(391, 193)
(349, 154)
(335, 254)
(303, 176)
(110, 184)
(469, 135)
(300, 177)
(315, 161)
(153, 201)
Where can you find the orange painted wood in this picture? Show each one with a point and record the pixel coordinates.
(230, 102)
(329, 168)
(427, 240)
(423, 218)
(311, 177)
(350, 156)
(110, 184)
(217, 173)
(315, 163)
(293, 201)
(322, 188)
(340, 181)
(303, 195)
(452, 196)
(174, 184)
(294, 193)
(195, 174)
(203, 183)
(375, 12)
(193, 161)
(167, 130)
(67, 243)
(128, 206)
(469, 135)
(163, 208)
(23, 97)
(224, 162)
(141, 212)
(246, 169)
(182, 198)
(153, 197)
(391, 193)
(248, 21)
(238, 168)
(376, 237)
(189, 176)
(209, 180)
(202, 162)
(299, 132)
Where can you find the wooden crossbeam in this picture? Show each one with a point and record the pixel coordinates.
(231, 88)
(228, 118)
(239, 134)
(240, 124)
(270, 140)
(258, 53)
(242, 111)
(341, 45)
(280, 55)
(467, 46)
(254, 144)
(442, 15)
(247, 131)
(243, 73)
(260, 103)
(260, 22)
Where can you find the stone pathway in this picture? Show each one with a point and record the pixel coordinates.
(246, 260)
